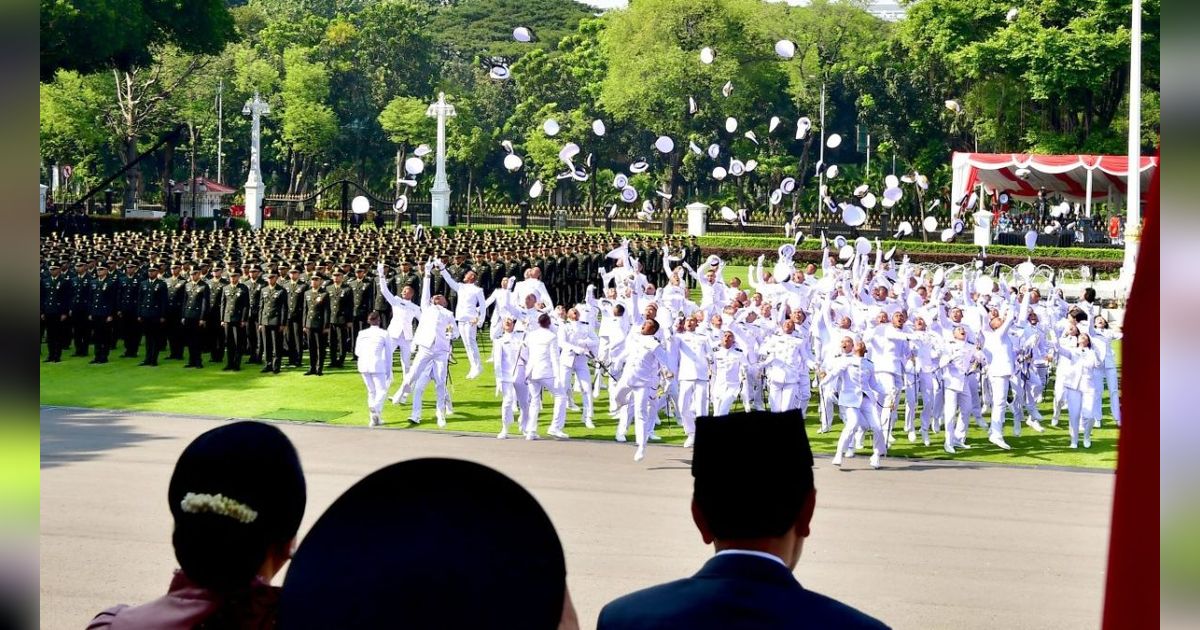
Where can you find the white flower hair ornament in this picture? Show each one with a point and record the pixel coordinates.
(196, 503)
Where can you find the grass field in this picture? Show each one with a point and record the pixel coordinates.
(339, 398)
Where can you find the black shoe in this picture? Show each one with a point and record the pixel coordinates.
(265, 370)
(94, 361)
(321, 373)
(144, 363)
(79, 354)
(227, 368)
(275, 370)
(309, 373)
(101, 361)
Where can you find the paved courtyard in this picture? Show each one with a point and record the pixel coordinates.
(919, 545)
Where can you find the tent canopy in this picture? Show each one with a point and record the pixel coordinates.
(1077, 178)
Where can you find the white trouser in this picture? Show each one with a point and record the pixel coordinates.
(860, 418)
(891, 384)
(956, 422)
(783, 396)
(974, 386)
(1091, 387)
(579, 369)
(1072, 400)
(1028, 394)
(909, 384)
(693, 402)
(516, 396)
(377, 389)
(999, 385)
(827, 394)
(1059, 388)
(752, 389)
(427, 364)
(1017, 385)
(722, 396)
(1114, 392)
(404, 349)
(468, 333)
(927, 389)
(536, 387)
(644, 401)
(1043, 375)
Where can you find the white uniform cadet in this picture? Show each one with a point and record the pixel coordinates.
(373, 350)
(468, 313)
(431, 362)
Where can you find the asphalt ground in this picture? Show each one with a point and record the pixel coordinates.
(917, 544)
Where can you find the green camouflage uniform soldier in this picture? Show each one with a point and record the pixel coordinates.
(315, 322)
(341, 304)
(176, 295)
(101, 313)
(294, 335)
(152, 313)
(81, 328)
(127, 326)
(362, 293)
(235, 311)
(216, 332)
(197, 297)
(55, 308)
(253, 334)
(272, 318)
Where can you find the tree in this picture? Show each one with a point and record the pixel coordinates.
(653, 51)
(1052, 78)
(309, 125)
(71, 122)
(474, 28)
(93, 35)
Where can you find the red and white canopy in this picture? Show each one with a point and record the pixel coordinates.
(1077, 178)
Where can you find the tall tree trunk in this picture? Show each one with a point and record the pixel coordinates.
(129, 153)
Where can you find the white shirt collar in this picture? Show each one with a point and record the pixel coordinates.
(751, 552)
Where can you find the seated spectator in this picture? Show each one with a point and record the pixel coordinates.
(237, 496)
(427, 544)
(753, 500)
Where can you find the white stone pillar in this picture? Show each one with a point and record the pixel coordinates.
(440, 202)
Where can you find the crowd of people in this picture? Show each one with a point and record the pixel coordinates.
(238, 494)
(882, 344)
(272, 296)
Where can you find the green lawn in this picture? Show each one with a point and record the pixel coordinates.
(339, 398)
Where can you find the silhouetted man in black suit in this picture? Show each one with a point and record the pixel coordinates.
(753, 500)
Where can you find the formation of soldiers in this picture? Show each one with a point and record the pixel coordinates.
(272, 296)
(571, 314)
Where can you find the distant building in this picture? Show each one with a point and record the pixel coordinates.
(890, 11)
(208, 198)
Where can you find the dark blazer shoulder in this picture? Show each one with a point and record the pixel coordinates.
(730, 594)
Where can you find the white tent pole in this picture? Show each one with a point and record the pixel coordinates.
(1088, 199)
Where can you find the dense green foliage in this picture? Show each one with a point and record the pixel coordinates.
(349, 82)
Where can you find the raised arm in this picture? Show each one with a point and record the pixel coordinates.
(383, 287)
(450, 282)
(425, 297)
